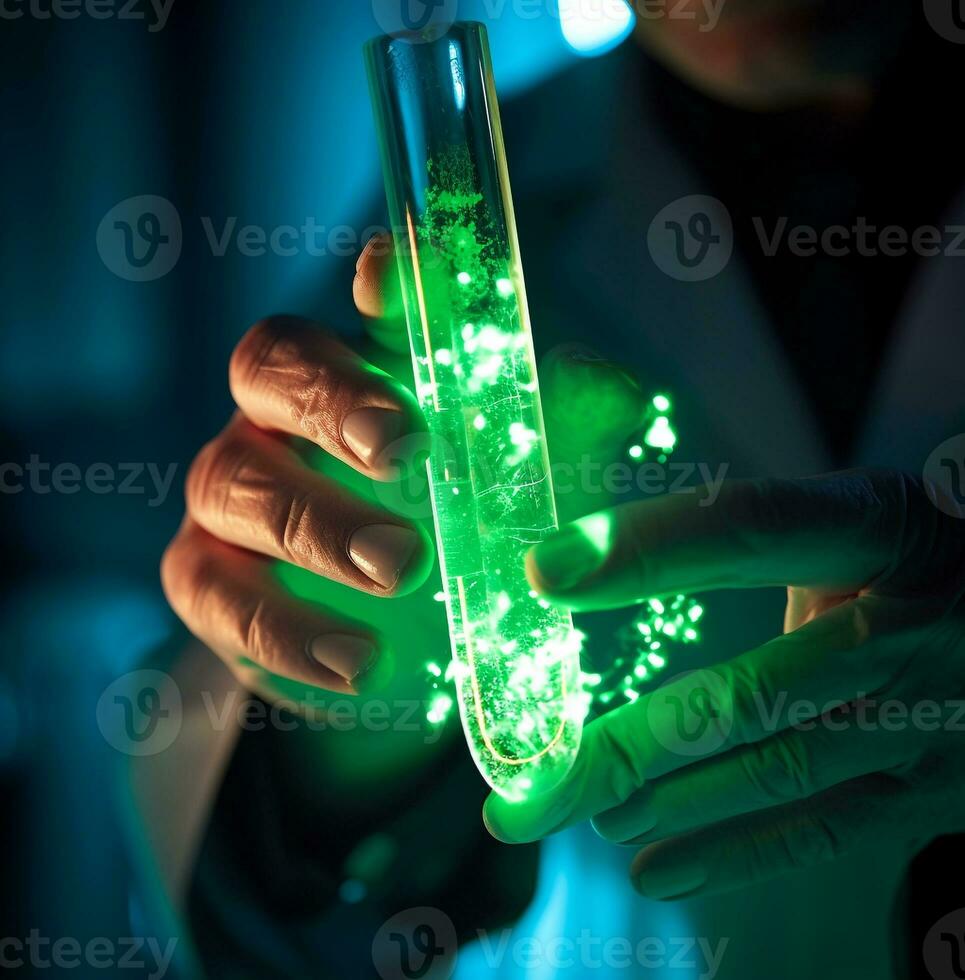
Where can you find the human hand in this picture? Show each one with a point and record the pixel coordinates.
(252, 499)
(849, 728)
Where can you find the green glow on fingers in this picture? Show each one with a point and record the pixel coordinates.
(598, 530)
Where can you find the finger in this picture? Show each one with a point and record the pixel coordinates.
(376, 286)
(231, 601)
(287, 374)
(591, 404)
(774, 842)
(592, 407)
(831, 532)
(377, 290)
(835, 659)
(790, 766)
(252, 491)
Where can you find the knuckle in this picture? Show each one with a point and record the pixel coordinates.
(778, 771)
(254, 636)
(811, 840)
(314, 400)
(738, 691)
(209, 478)
(253, 351)
(298, 536)
(623, 766)
(188, 575)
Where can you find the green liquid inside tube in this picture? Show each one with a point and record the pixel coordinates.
(517, 660)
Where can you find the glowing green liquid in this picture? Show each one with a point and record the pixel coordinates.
(517, 659)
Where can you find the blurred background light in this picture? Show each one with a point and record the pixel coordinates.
(593, 27)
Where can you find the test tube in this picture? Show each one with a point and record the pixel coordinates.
(516, 659)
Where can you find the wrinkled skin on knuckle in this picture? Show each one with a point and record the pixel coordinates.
(315, 399)
(311, 532)
(190, 574)
(254, 351)
(209, 478)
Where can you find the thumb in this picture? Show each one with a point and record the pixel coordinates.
(378, 294)
(592, 405)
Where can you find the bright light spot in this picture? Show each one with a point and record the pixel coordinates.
(661, 403)
(593, 27)
(439, 709)
(505, 287)
(596, 529)
(479, 423)
(443, 356)
(464, 278)
(635, 452)
(661, 436)
(657, 606)
(656, 660)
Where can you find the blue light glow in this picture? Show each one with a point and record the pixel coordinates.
(593, 27)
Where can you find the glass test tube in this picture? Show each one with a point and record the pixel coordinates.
(517, 660)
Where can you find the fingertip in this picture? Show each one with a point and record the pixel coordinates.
(491, 824)
(567, 558)
(373, 271)
(375, 676)
(419, 566)
(382, 439)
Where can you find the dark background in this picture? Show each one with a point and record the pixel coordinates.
(255, 109)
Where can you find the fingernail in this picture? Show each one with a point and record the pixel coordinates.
(383, 551)
(369, 432)
(629, 823)
(351, 657)
(565, 559)
(662, 878)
